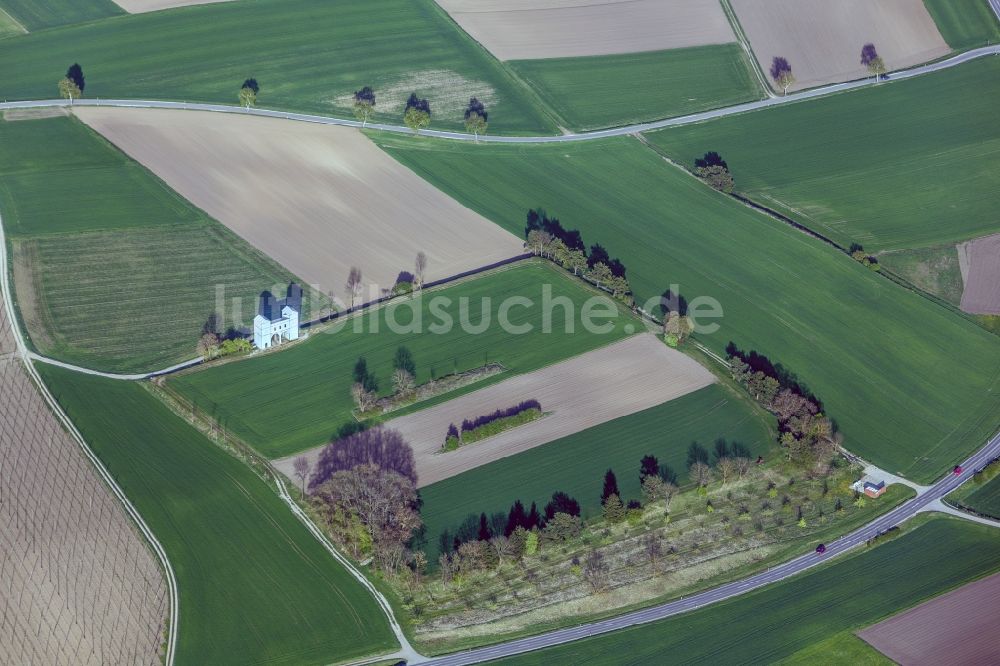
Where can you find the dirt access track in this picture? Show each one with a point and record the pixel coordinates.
(532, 29)
(317, 199)
(979, 261)
(143, 6)
(617, 380)
(955, 628)
(822, 39)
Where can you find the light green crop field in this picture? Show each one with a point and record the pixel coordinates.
(778, 621)
(307, 55)
(285, 402)
(912, 385)
(112, 270)
(38, 14)
(899, 165)
(604, 91)
(576, 464)
(964, 24)
(255, 586)
(842, 648)
(9, 26)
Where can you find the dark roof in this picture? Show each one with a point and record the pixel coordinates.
(270, 307)
(876, 486)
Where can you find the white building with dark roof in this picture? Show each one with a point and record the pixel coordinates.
(277, 320)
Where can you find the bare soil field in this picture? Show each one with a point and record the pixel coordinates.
(78, 585)
(979, 260)
(143, 6)
(955, 628)
(620, 379)
(317, 199)
(822, 40)
(531, 29)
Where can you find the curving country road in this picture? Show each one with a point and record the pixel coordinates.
(926, 500)
(583, 136)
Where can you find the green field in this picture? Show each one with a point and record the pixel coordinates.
(964, 24)
(604, 91)
(286, 402)
(58, 177)
(986, 499)
(913, 386)
(777, 622)
(38, 14)
(900, 165)
(255, 586)
(307, 55)
(112, 270)
(576, 464)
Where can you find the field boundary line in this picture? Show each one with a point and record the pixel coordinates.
(133, 513)
(812, 93)
(741, 37)
(24, 30)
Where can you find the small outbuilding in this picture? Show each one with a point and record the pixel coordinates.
(277, 320)
(874, 488)
(869, 486)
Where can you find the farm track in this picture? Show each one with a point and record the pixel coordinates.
(925, 501)
(561, 138)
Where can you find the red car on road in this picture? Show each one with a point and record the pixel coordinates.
(957, 470)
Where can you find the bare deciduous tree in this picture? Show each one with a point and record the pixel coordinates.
(596, 571)
(653, 548)
(364, 400)
(354, 284)
(727, 468)
(420, 269)
(701, 473)
(402, 382)
(302, 468)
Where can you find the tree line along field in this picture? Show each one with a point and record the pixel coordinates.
(255, 586)
(964, 24)
(307, 55)
(284, 403)
(575, 464)
(113, 270)
(38, 14)
(781, 620)
(603, 91)
(856, 167)
(871, 351)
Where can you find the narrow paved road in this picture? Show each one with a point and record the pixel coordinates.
(585, 136)
(736, 588)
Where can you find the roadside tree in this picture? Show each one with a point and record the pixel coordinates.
(364, 104)
(781, 72)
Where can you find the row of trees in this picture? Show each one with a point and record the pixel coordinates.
(808, 437)
(405, 281)
(781, 70)
(547, 238)
(364, 390)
